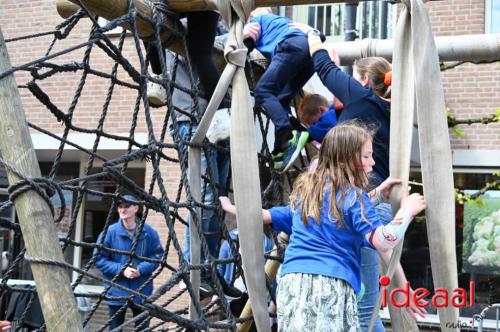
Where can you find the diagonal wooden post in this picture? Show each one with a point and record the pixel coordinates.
(37, 224)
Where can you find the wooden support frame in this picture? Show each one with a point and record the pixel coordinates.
(37, 224)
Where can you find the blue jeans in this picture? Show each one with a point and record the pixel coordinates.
(370, 270)
(290, 68)
(219, 168)
(140, 324)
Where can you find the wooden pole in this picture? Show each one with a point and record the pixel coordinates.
(271, 269)
(450, 48)
(37, 224)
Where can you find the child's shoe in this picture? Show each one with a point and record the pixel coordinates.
(284, 160)
(157, 95)
(220, 127)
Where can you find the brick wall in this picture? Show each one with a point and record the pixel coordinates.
(39, 16)
(471, 91)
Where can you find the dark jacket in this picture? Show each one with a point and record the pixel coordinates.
(359, 103)
(110, 264)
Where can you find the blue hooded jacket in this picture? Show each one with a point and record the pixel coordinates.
(110, 264)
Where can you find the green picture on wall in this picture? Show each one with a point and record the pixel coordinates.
(481, 249)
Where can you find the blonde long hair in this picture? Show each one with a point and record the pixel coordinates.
(339, 171)
(375, 68)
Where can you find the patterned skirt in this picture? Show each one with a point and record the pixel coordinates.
(315, 303)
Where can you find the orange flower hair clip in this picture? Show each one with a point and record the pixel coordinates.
(388, 78)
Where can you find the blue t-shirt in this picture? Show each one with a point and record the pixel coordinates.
(359, 103)
(326, 121)
(273, 30)
(324, 248)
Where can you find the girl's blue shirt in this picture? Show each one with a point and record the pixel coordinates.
(324, 248)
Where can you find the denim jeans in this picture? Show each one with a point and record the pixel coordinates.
(370, 270)
(140, 324)
(219, 167)
(290, 68)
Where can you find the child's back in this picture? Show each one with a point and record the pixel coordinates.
(273, 30)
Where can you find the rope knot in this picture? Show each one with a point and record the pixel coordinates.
(237, 57)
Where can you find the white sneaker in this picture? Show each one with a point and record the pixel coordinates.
(157, 94)
(220, 127)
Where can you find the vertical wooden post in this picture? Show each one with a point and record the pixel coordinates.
(37, 224)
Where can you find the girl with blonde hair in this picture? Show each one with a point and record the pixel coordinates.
(329, 218)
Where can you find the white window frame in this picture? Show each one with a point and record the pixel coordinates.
(488, 16)
(300, 14)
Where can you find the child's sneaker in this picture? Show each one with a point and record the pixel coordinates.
(157, 95)
(284, 160)
(220, 127)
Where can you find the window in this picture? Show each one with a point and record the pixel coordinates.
(492, 16)
(329, 19)
(469, 231)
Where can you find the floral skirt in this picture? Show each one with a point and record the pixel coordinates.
(315, 303)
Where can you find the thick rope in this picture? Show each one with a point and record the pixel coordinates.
(418, 88)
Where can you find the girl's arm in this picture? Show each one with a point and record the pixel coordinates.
(343, 86)
(387, 237)
(231, 209)
(382, 192)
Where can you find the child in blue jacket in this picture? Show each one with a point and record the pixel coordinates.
(329, 219)
(290, 68)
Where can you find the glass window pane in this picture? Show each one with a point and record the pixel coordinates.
(495, 16)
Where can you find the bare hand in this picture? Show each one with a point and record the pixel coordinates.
(251, 30)
(385, 187)
(5, 325)
(225, 202)
(131, 273)
(300, 26)
(227, 206)
(414, 203)
(414, 309)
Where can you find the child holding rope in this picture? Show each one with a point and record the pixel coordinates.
(329, 218)
(290, 68)
(366, 98)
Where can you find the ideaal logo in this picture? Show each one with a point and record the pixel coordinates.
(442, 297)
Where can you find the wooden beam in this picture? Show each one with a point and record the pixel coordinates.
(36, 221)
(66, 8)
(450, 48)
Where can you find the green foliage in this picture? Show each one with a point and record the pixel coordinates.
(458, 132)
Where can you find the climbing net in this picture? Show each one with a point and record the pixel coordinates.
(125, 104)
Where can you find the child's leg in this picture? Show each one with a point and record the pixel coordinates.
(290, 59)
(154, 59)
(202, 27)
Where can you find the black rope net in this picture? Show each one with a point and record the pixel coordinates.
(123, 104)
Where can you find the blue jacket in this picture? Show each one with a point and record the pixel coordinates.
(110, 264)
(326, 121)
(361, 104)
(273, 30)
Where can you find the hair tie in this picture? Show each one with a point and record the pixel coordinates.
(388, 78)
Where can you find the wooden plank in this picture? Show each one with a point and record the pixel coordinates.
(36, 221)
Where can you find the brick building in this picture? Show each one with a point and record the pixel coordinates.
(470, 92)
